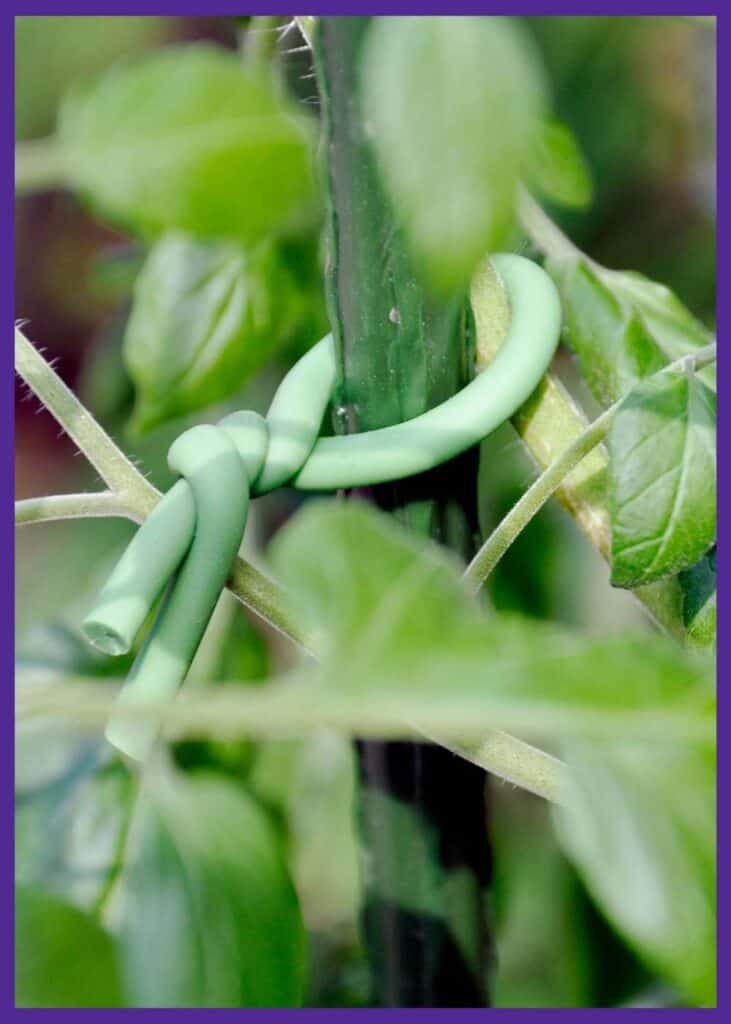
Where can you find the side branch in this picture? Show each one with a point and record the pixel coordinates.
(553, 477)
(548, 424)
(136, 496)
(70, 506)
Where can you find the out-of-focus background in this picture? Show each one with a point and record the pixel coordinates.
(639, 95)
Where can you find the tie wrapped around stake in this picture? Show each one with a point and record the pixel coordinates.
(188, 543)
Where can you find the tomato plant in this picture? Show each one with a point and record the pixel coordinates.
(317, 817)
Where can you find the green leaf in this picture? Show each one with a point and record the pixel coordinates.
(622, 326)
(321, 826)
(62, 956)
(311, 784)
(70, 802)
(699, 601)
(392, 618)
(49, 753)
(454, 109)
(50, 51)
(211, 918)
(544, 916)
(189, 138)
(205, 317)
(558, 168)
(640, 826)
(662, 478)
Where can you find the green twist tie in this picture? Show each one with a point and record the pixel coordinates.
(188, 543)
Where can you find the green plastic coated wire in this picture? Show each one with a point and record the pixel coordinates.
(189, 541)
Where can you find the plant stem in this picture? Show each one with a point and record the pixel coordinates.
(296, 705)
(108, 460)
(541, 230)
(498, 753)
(259, 39)
(533, 501)
(39, 166)
(551, 479)
(230, 712)
(121, 850)
(136, 495)
(247, 584)
(512, 760)
(70, 506)
(401, 351)
(550, 421)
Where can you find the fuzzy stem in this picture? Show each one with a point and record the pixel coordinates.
(70, 506)
(136, 494)
(550, 421)
(549, 481)
(230, 712)
(533, 501)
(296, 704)
(259, 39)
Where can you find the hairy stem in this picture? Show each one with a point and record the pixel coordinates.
(533, 501)
(551, 479)
(541, 230)
(108, 460)
(228, 712)
(70, 506)
(259, 39)
(551, 421)
(296, 705)
(512, 760)
(136, 495)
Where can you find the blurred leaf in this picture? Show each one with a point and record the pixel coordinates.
(210, 915)
(662, 478)
(309, 784)
(55, 648)
(104, 385)
(189, 138)
(63, 957)
(699, 601)
(274, 772)
(232, 650)
(114, 271)
(558, 169)
(69, 806)
(244, 654)
(98, 820)
(50, 52)
(640, 825)
(205, 317)
(524, 580)
(542, 951)
(596, 88)
(554, 949)
(321, 824)
(392, 617)
(622, 326)
(453, 106)
(48, 752)
(67, 835)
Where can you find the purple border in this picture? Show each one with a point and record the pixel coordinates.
(723, 431)
(461, 7)
(186, 7)
(162, 7)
